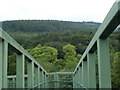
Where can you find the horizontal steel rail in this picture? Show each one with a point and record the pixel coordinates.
(12, 79)
(17, 47)
(61, 73)
(85, 70)
(36, 73)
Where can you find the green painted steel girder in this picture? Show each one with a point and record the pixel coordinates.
(18, 48)
(110, 23)
(85, 70)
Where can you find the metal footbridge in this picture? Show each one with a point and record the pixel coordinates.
(84, 75)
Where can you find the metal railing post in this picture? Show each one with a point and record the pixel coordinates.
(104, 63)
(14, 81)
(1, 59)
(0, 24)
(4, 64)
(36, 76)
(85, 73)
(56, 79)
(40, 78)
(77, 79)
(20, 64)
(80, 74)
(30, 68)
(45, 81)
(73, 80)
(91, 57)
(38, 70)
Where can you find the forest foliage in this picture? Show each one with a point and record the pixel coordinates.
(58, 45)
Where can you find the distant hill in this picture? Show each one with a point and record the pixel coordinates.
(39, 26)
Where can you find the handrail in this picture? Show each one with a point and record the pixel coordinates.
(99, 42)
(106, 28)
(13, 77)
(61, 73)
(22, 56)
(18, 47)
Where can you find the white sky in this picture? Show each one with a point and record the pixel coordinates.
(67, 10)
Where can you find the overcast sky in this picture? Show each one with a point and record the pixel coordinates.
(67, 10)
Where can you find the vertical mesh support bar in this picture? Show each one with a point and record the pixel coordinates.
(4, 64)
(104, 63)
(91, 57)
(20, 64)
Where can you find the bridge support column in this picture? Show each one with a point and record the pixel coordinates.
(85, 73)
(20, 81)
(104, 63)
(30, 68)
(91, 57)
